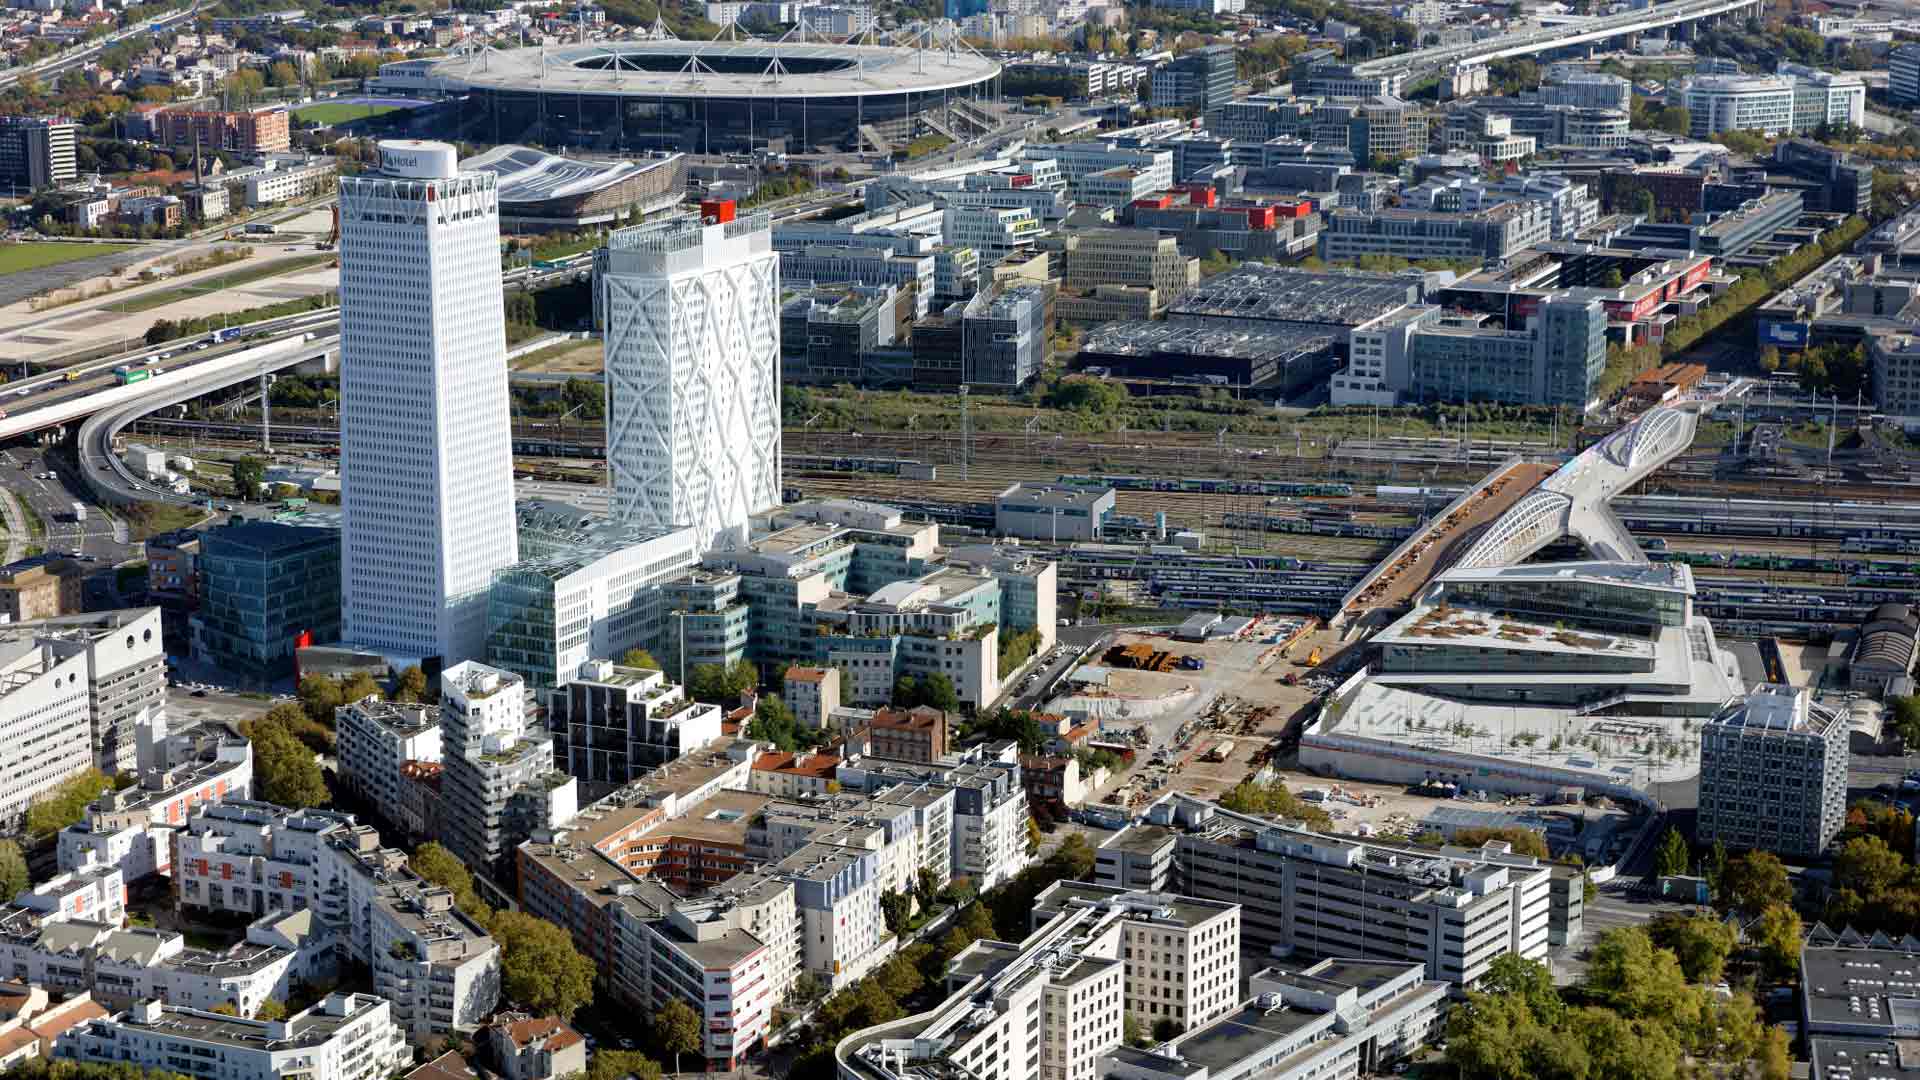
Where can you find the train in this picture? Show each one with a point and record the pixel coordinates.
(1206, 485)
(907, 467)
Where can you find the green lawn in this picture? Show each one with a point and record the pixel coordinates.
(17, 257)
(335, 112)
(246, 274)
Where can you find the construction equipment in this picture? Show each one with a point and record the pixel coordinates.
(1313, 658)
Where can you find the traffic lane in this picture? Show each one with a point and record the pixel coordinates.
(23, 471)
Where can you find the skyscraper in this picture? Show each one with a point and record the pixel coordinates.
(426, 446)
(37, 151)
(693, 372)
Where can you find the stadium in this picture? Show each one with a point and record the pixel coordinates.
(539, 190)
(720, 96)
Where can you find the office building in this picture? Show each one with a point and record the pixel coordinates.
(1450, 910)
(693, 368)
(830, 334)
(1096, 257)
(265, 589)
(992, 232)
(1798, 100)
(1773, 774)
(1568, 85)
(343, 1037)
(869, 266)
(1903, 75)
(1005, 340)
(1557, 359)
(499, 783)
(1345, 81)
(37, 151)
(613, 725)
(583, 588)
(426, 452)
(375, 741)
(1495, 233)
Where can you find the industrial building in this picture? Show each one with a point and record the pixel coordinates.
(1052, 512)
(1262, 297)
(1280, 361)
(1773, 774)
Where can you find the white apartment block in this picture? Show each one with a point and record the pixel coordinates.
(499, 785)
(813, 693)
(375, 738)
(281, 184)
(132, 828)
(426, 456)
(93, 893)
(989, 840)
(1076, 160)
(344, 1037)
(126, 673)
(613, 724)
(1797, 99)
(1451, 910)
(440, 970)
(120, 967)
(693, 374)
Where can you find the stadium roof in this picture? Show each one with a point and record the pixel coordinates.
(720, 69)
(527, 175)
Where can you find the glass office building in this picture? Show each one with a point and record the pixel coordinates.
(265, 587)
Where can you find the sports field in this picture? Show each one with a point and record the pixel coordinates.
(339, 112)
(32, 256)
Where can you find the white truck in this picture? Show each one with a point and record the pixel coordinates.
(79, 512)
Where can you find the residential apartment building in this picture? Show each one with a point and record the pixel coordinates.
(173, 567)
(1181, 958)
(45, 722)
(37, 151)
(375, 740)
(263, 585)
(123, 665)
(426, 457)
(255, 131)
(499, 785)
(919, 734)
(614, 725)
(1773, 773)
(989, 806)
(132, 828)
(1450, 910)
(343, 1037)
(97, 960)
(813, 693)
(41, 587)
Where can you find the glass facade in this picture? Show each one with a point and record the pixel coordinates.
(1579, 603)
(262, 586)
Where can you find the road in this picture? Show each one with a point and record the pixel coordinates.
(101, 538)
(58, 64)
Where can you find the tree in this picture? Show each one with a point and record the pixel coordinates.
(1135, 1032)
(284, 768)
(319, 696)
(1770, 359)
(1033, 836)
(14, 878)
(926, 886)
(773, 722)
(608, 1064)
(440, 866)
(640, 658)
(539, 967)
(271, 1009)
(1753, 880)
(1525, 841)
(248, 474)
(1165, 1029)
(1866, 865)
(412, 685)
(1778, 933)
(722, 685)
(1701, 944)
(282, 73)
(1674, 120)
(65, 804)
(1530, 980)
(357, 686)
(895, 908)
(677, 1027)
(1671, 857)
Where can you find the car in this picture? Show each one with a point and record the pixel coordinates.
(224, 507)
(199, 693)
(21, 393)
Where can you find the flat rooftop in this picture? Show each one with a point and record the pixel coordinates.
(1287, 295)
(1463, 628)
(1063, 496)
(1864, 1059)
(1861, 987)
(1670, 576)
(1140, 839)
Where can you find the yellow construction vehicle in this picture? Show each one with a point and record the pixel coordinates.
(1313, 658)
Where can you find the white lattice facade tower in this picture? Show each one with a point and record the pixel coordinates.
(426, 442)
(693, 374)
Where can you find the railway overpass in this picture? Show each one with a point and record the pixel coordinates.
(1527, 43)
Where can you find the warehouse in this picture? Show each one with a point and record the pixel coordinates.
(1280, 359)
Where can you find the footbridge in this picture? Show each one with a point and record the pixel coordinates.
(1527, 43)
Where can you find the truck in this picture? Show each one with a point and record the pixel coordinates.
(224, 333)
(79, 512)
(129, 376)
(1220, 751)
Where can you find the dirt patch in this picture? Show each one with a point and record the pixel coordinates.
(574, 358)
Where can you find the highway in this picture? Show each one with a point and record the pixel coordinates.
(54, 65)
(1440, 57)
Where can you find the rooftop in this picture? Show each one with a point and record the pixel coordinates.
(1285, 294)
